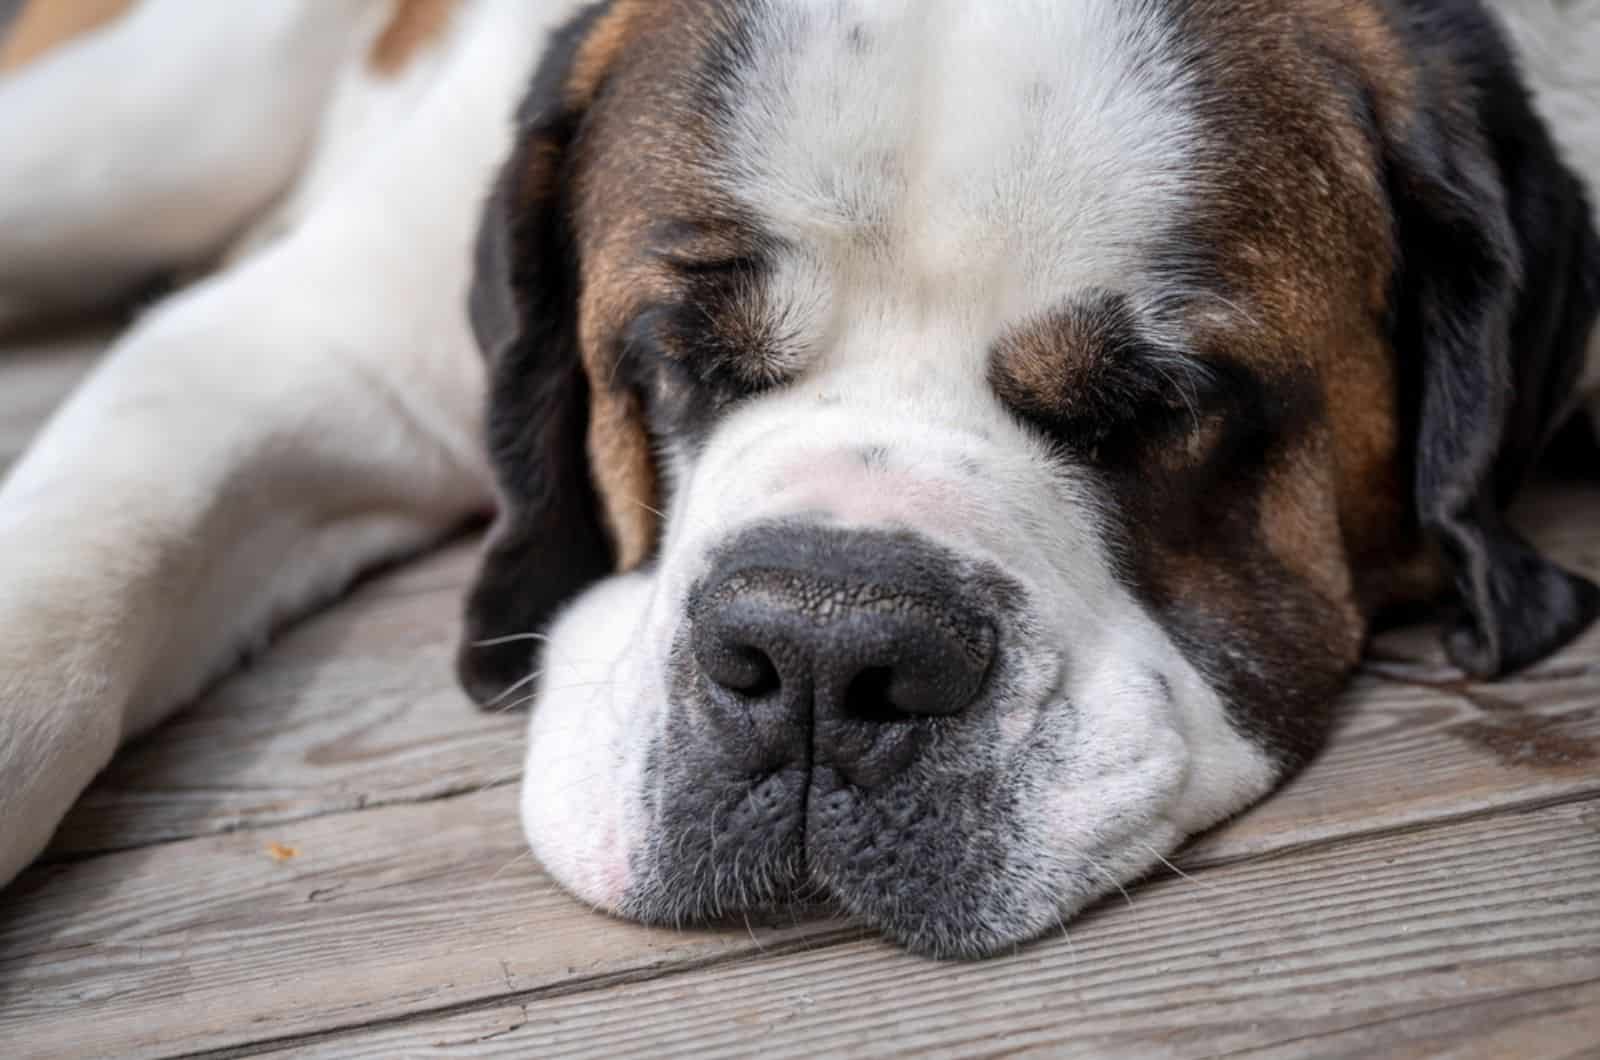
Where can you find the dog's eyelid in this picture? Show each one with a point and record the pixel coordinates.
(706, 248)
(732, 265)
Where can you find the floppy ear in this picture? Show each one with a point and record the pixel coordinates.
(572, 459)
(1499, 285)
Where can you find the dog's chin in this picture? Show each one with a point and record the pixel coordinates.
(920, 871)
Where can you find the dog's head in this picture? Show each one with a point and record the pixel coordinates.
(955, 451)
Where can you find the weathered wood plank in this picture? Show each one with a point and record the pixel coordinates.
(343, 919)
(1543, 1023)
(1439, 936)
(34, 379)
(356, 707)
(353, 737)
(1409, 754)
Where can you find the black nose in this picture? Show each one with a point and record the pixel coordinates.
(864, 627)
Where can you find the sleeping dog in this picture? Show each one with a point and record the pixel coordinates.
(944, 454)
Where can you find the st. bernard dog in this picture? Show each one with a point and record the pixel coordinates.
(945, 452)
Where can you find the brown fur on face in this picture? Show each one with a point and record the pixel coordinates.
(1305, 240)
(633, 172)
(1300, 236)
(575, 460)
(622, 460)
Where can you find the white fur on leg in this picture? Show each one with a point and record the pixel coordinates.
(255, 442)
(228, 466)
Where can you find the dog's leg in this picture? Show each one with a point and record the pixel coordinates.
(242, 454)
(144, 145)
(252, 444)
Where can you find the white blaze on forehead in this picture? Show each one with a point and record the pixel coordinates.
(1016, 151)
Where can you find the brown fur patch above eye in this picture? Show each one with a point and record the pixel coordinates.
(412, 25)
(1050, 363)
(752, 332)
(43, 25)
(1028, 360)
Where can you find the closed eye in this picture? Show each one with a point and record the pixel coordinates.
(723, 351)
(707, 249)
(738, 265)
(1088, 377)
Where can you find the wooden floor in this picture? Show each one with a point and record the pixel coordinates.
(322, 858)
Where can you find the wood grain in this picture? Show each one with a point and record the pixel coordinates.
(341, 920)
(356, 707)
(34, 379)
(1553, 1022)
(1479, 932)
(1409, 754)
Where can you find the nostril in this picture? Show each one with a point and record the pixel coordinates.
(741, 668)
(867, 698)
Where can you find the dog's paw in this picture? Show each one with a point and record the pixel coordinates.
(60, 721)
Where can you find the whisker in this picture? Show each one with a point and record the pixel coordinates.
(1175, 868)
(657, 512)
(520, 683)
(511, 639)
(517, 704)
(1101, 869)
(1186, 393)
(745, 915)
(495, 781)
(1072, 952)
(526, 855)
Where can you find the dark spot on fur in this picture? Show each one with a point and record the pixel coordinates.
(874, 457)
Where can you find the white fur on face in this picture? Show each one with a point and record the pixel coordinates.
(936, 173)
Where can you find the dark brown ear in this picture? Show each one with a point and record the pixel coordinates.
(571, 455)
(1498, 291)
